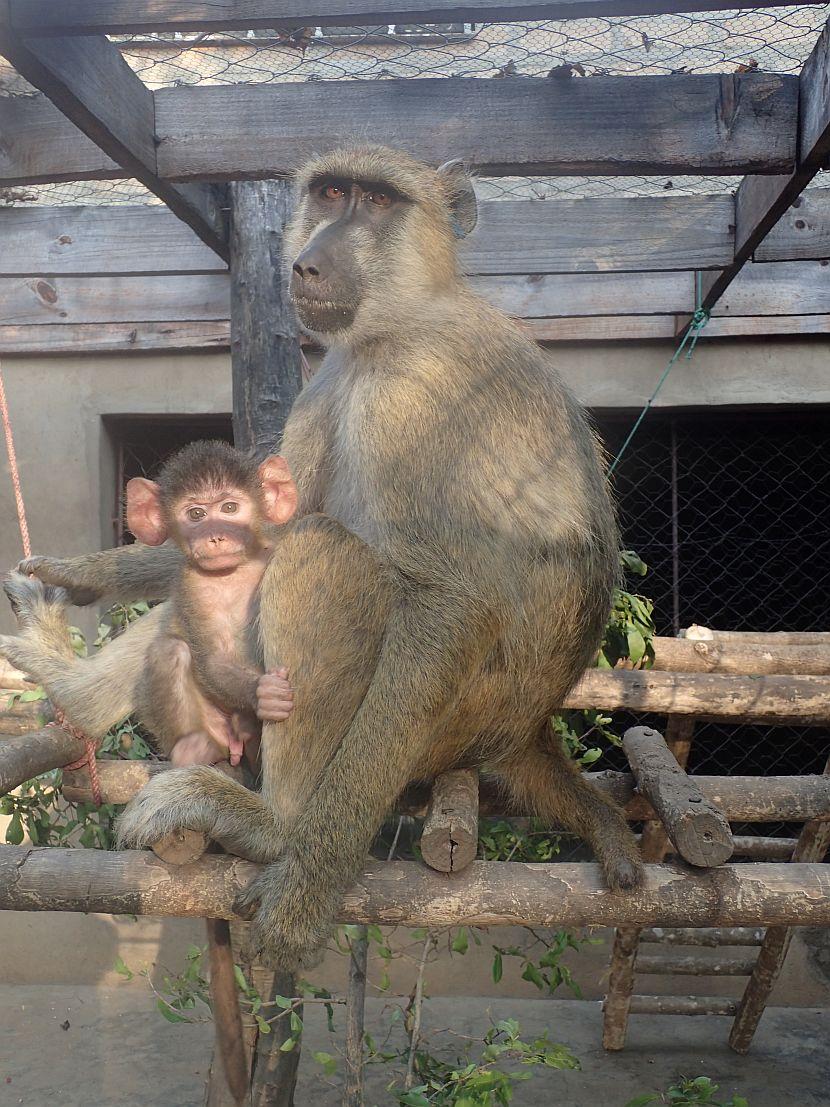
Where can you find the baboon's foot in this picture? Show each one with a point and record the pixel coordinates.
(622, 864)
(56, 571)
(25, 594)
(172, 800)
(291, 916)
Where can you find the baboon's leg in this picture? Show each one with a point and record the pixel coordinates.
(374, 672)
(95, 692)
(200, 797)
(171, 706)
(543, 779)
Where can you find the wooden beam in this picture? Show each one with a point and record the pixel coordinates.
(78, 17)
(91, 241)
(53, 339)
(761, 201)
(687, 655)
(90, 82)
(686, 123)
(39, 146)
(803, 232)
(406, 893)
(512, 236)
(601, 236)
(785, 288)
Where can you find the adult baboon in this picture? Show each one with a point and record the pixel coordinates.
(448, 574)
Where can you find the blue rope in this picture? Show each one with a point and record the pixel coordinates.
(699, 321)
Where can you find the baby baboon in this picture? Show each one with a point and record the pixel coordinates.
(449, 573)
(202, 692)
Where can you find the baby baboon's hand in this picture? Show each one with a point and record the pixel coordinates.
(56, 570)
(275, 696)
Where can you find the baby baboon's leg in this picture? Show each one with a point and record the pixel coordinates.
(200, 797)
(170, 706)
(543, 779)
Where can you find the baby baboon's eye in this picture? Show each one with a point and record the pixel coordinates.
(196, 513)
(230, 507)
(381, 199)
(332, 192)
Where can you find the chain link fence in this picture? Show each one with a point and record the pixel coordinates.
(732, 515)
(770, 39)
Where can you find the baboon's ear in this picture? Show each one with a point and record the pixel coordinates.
(279, 492)
(145, 517)
(463, 205)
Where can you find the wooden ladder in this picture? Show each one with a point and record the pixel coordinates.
(767, 948)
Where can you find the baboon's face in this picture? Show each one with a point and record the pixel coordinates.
(350, 228)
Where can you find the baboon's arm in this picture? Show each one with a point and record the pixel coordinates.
(122, 575)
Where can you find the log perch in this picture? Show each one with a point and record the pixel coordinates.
(449, 840)
(699, 831)
(406, 893)
(743, 799)
(682, 1005)
(28, 755)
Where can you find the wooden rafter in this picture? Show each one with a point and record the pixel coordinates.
(80, 17)
(761, 201)
(88, 80)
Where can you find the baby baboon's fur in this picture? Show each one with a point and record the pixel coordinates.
(450, 571)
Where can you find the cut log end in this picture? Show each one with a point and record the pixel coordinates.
(449, 840)
(181, 847)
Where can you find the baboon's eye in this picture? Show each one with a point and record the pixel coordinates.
(382, 199)
(196, 513)
(332, 192)
(230, 507)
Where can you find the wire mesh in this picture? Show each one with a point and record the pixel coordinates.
(732, 516)
(770, 39)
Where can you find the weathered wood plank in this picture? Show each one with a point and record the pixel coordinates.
(686, 123)
(682, 1005)
(406, 893)
(102, 338)
(134, 16)
(782, 288)
(26, 300)
(710, 937)
(88, 80)
(91, 240)
(690, 964)
(803, 232)
(537, 295)
(39, 145)
(614, 233)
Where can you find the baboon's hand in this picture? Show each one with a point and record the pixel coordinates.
(275, 696)
(57, 570)
(291, 915)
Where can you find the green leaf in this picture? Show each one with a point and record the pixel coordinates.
(239, 977)
(641, 1100)
(14, 831)
(296, 1024)
(122, 969)
(288, 1045)
(498, 968)
(328, 1062)
(460, 943)
(168, 1013)
(414, 1098)
(262, 1026)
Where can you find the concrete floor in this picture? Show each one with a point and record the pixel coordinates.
(85, 1046)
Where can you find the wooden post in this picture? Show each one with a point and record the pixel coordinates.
(229, 1056)
(355, 1007)
(266, 363)
(813, 843)
(449, 840)
(265, 341)
(697, 827)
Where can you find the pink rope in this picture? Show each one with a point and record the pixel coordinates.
(15, 473)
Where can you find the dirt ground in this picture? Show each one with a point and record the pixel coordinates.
(88, 1046)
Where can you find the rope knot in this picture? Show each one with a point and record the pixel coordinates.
(89, 758)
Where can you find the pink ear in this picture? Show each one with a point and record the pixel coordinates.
(144, 515)
(279, 492)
